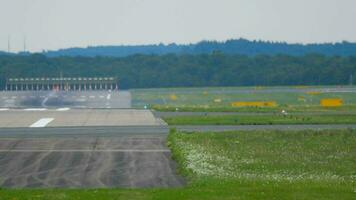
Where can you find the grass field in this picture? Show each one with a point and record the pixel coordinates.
(298, 99)
(269, 119)
(244, 165)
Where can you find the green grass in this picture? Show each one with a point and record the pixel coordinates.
(202, 99)
(208, 189)
(260, 119)
(243, 165)
(278, 109)
(287, 165)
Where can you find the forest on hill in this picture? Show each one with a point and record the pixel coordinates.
(232, 47)
(216, 69)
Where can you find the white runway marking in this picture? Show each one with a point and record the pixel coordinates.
(41, 123)
(88, 150)
(101, 97)
(35, 109)
(108, 97)
(63, 109)
(83, 96)
(4, 109)
(92, 97)
(14, 97)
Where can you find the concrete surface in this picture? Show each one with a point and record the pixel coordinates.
(78, 117)
(76, 132)
(72, 99)
(72, 146)
(71, 162)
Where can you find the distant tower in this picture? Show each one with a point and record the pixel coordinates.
(24, 44)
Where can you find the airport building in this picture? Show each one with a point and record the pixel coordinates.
(65, 84)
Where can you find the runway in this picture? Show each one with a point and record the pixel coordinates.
(87, 162)
(21, 118)
(77, 132)
(72, 99)
(90, 139)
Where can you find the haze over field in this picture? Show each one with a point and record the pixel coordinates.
(55, 24)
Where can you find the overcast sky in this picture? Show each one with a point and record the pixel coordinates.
(54, 24)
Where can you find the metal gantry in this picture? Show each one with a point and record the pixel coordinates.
(66, 84)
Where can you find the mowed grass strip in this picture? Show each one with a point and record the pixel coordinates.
(220, 99)
(277, 119)
(278, 109)
(246, 165)
(274, 164)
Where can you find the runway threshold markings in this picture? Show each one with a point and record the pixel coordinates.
(108, 97)
(41, 123)
(4, 109)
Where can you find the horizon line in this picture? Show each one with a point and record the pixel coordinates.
(179, 44)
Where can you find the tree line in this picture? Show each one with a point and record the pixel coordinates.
(234, 46)
(215, 69)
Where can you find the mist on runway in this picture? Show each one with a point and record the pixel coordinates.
(71, 99)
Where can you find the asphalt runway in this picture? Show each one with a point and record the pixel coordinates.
(65, 117)
(87, 162)
(87, 157)
(87, 139)
(76, 132)
(72, 99)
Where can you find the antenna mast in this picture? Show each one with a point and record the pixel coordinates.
(8, 44)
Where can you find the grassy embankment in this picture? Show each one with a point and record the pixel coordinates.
(245, 165)
(272, 119)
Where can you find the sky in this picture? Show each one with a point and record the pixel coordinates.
(57, 24)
